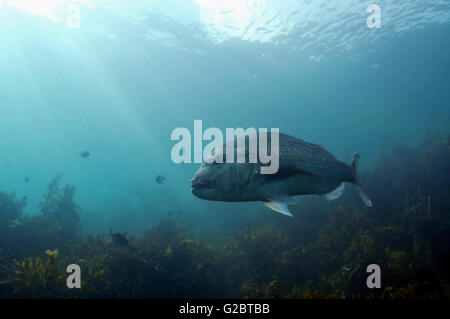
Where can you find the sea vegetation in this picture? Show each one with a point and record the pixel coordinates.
(323, 252)
(56, 226)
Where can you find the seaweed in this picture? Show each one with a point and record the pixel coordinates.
(36, 277)
(10, 213)
(322, 253)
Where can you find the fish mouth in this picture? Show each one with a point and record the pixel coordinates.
(202, 184)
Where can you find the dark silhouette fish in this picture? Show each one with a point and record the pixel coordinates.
(160, 179)
(85, 154)
(27, 179)
(118, 239)
(304, 168)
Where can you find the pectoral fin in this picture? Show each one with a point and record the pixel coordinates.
(289, 171)
(285, 172)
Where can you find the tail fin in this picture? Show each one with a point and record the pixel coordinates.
(361, 193)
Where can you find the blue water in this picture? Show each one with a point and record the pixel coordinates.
(121, 81)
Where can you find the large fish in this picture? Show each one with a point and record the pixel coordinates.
(304, 168)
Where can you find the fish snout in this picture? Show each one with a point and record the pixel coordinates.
(202, 179)
(204, 183)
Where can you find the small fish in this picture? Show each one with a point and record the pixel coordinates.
(27, 179)
(118, 239)
(160, 179)
(304, 168)
(85, 154)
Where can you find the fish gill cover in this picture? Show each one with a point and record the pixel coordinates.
(91, 91)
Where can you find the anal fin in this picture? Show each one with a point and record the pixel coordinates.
(335, 193)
